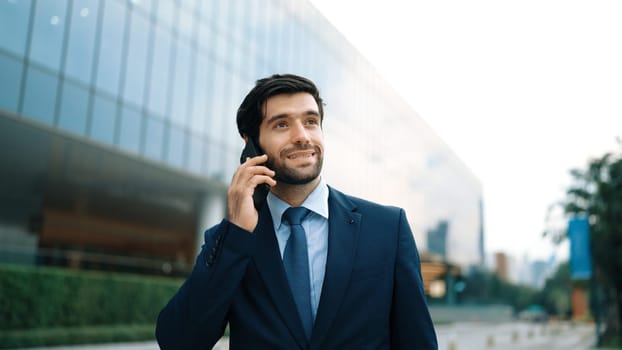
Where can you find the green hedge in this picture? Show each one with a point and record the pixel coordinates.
(52, 298)
(12, 339)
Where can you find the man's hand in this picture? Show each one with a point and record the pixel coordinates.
(240, 208)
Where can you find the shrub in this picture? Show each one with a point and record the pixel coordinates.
(45, 297)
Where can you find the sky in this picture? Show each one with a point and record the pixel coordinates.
(522, 91)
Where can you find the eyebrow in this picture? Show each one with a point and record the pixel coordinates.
(285, 115)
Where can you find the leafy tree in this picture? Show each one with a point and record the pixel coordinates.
(596, 193)
(555, 295)
(485, 287)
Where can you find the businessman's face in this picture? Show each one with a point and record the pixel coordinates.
(291, 135)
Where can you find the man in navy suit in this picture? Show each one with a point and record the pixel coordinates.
(354, 284)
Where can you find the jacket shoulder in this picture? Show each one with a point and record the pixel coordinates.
(364, 205)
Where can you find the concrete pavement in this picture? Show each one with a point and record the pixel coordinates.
(516, 336)
(455, 336)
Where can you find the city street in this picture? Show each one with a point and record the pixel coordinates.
(516, 336)
(459, 336)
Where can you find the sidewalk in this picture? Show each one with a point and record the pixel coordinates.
(223, 344)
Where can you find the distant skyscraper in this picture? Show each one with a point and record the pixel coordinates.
(502, 266)
(482, 251)
(538, 273)
(437, 239)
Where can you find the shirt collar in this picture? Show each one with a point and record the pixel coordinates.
(317, 202)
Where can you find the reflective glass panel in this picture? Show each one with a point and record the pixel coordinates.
(237, 19)
(205, 36)
(199, 94)
(111, 46)
(195, 152)
(79, 59)
(188, 5)
(166, 12)
(175, 149)
(206, 9)
(103, 119)
(73, 108)
(214, 152)
(136, 59)
(219, 95)
(143, 5)
(179, 112)
(154, 138)
(160, 69)
(129, 131)
(185, 23)
(14, 25)
(10, 82)
(230, 162)
(40, 95)
(47, 33)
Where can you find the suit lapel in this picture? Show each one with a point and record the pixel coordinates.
(270, 266)
(344, 224)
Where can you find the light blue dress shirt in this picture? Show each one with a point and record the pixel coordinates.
(316, 230)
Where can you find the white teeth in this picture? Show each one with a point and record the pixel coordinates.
(300, 156)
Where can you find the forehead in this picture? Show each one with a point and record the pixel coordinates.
(290, 104)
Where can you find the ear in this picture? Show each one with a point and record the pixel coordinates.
(245, 137)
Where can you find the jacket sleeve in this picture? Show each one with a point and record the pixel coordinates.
(411, 324)
(196, 316)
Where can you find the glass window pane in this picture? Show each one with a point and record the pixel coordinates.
(195, 160)
(215, 161)
(199, 94)
(103, 120)
(154, 138)
(136, 59)
(219, 95)
(185, 23)
(166, 13)
(10, 81)
(207, 9)
(47, 33)
(237, 19)
(175, 151)
(221, 46)
(179, 112)
(143, 5)
(111, 45)
(79, 59)
(222, 16)
(129, 131)
(73, 108)
(230, 162)
(14, 25)
(40, 95)
(188, 5)
(160, 69)
(205, 36)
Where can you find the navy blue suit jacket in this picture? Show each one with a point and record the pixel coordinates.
(372, 297)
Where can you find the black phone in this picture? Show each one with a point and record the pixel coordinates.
(251, 150)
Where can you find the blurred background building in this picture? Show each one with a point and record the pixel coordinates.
(118, 136)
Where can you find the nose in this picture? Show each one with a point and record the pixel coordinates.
(299, 134)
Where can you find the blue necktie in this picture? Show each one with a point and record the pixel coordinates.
(296, 263)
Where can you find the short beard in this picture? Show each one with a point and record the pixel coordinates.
(291, 176)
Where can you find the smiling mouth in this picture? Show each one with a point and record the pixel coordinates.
(301, 155)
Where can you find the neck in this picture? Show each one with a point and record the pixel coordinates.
(294, 195)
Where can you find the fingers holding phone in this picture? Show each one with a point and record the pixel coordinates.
(249, 176)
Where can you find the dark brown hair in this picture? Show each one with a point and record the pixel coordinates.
(250, 112)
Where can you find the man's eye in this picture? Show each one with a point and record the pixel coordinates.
(312, 121)
(281, 125)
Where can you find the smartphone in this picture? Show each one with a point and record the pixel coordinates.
(251, 150)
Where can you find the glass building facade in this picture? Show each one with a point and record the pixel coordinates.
(118, 132)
